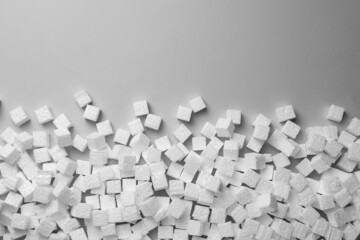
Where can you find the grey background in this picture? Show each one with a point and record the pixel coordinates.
(250, 55)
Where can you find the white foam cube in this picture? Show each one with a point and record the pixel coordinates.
(23, 141)
(333, 147)
(165, 232)
(285, 113)
(195, 228)
(42, 155)
(19, 116)
(91, 113)
(291, 129)
(335, 113)
(92, 181)
(208, 130)
(261, 119)
(224, 127)
(184, 113)
(354, 127)
(261, 132)
(304, 167)
(218, 215)
(201, 213)
(141, 108)
(197, 104)
(234, 115)
(63, 137)
(93, 200)
(316, 143)
(104, 128)
(226, 229)
(182, 133)
(135, 126)
(46, 227)
(78, 234)
(9, 154)
(20, 221)
(354, 152)
(44, 114)
(153, 122)
(41, 139)
(122, 136)
(82, 98)
(159, 182)
(66, 166)
(81, 210)
(96, 141)
(8, 135)
(79, 142)
(62, 121)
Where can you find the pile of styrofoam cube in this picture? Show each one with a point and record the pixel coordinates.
(144, 188)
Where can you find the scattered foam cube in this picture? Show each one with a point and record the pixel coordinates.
(23, 141)
(354, 152)
(122, 136)
(92, 113)
(153, 122)
(316, 143)
(261, 119)
(62, 121)
(81, 210)
(197, 104)
(20, 221)
(135, 126)
(96, 141)
(19, 116)
(354, 127)
(195, 228)
(165, 232)
(79, 142)
(104, 128)
(234, 115)
(44, 114)
(141, 108)
(41, 139)
(208, 130)
(291, 129)
(224, 127)
(285, 113)
(41, 155)
(304, 167)
(82, 98)
(63, 137)
(261, 132)
(9, 154)
(182, 133)
(335, 113)
(184, 113)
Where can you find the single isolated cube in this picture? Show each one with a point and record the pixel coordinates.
(104, 128)
(141, 108)
(184, 113)
(44, 114)
(285, 113)
(234, 115)
(122, 136)
(197, 104)
(63, 137)
(91, 113)
(182, 133)
(62, 121)
(82, 98)
(153, 122)
(224, 127)
(335, 113)
(291, 129)
(19, 116)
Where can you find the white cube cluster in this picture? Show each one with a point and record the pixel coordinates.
(209, 189)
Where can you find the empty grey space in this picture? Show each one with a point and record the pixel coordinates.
(248, 55)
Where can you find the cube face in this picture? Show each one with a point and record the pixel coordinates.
(262, 120)
(291, 129)
(197, 104)
(104, 128)
(135, 126)
(62, 121)
(184, 113)
(335, 113)
(163, 143)
(198, 143)
(224, 127)
(234, 115)
(285, 113)
(122, 136)
(19, 116)
(44, 115)
(82, 98)
(153, 122)
(91, 113)
(261, 132)
(41, 139)
(182, 133)
(141, 108)
(354, 127)
(79, 143)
